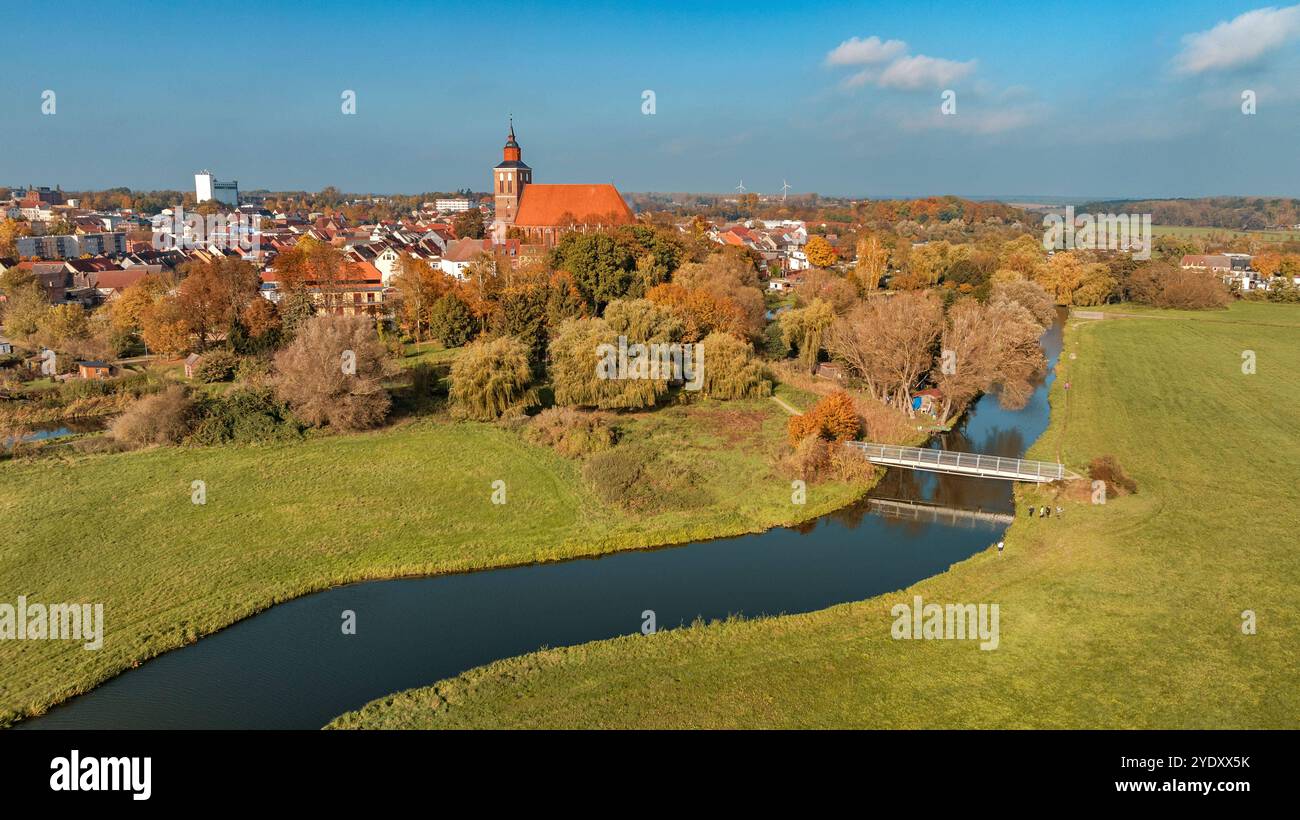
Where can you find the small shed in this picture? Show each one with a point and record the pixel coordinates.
(191, 364)
(926, 400)
(830, 370)
(6, 347)
(94, 370)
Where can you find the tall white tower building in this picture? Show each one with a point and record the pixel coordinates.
(207, 187)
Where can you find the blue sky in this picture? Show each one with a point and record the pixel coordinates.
(1096, 99)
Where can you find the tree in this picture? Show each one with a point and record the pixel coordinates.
(888, 343)
(806, 329)
(128, 310)
(820, 253)
(577, 375)
(420, 286)
(24, 306)
(730, 369)
(701, 312)
(1268, 264)
(213, 294)
(730, 279)
(63, 324)
(450, 321)
(295, 308)
(522, 314)
(469, 224)
(984, 344)
(332, 373)
(872, 264)
(164, 328)
(492, 377)
(11, 230)
(602, 269)
(261, 318)
(829, 286)
(1015, 288)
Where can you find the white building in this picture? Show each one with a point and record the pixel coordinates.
(448, 206)
(207, 187)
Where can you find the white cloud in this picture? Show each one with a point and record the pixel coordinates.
(869, 51)
(888, 65)
(1239, 42)
(919, 72)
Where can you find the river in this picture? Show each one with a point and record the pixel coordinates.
(291, 666)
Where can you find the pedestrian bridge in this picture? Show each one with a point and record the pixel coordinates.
(972, 464)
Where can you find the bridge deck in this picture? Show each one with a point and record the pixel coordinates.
(972, 464)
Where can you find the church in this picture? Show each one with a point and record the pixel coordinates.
(541, 213)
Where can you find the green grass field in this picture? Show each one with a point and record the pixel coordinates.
(1127, 614)
(1196, 232)
(281, 521)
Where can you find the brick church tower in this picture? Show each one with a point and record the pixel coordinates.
(509, 179)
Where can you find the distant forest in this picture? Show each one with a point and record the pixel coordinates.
(1240, 213)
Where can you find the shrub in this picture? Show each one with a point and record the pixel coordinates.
(811, 459)
(815, 459)
(83, 388)
(245, 416)
(834, 418)
(570, 432)
(322, 385)
(217, 366)
(136, 384)
(642, 479)
(163, 418)
(492, 377)
(1107, 469)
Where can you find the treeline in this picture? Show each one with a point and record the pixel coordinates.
(1239, 213)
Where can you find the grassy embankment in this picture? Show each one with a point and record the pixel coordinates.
(284, 520)
(1122, 615)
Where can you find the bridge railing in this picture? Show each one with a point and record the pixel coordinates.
(963, 462)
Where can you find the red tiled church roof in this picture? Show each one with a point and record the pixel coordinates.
(550, 205)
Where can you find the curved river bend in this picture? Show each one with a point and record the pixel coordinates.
(290, 666)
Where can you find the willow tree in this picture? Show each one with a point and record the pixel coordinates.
(579, 353)
(730, 369)
(492, 377)
(806, 329)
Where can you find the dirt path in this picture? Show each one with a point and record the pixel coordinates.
(789, 408)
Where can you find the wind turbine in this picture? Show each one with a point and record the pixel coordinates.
(741, 187)
(785, 187)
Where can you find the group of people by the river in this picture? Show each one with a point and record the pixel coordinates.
(1045, 511)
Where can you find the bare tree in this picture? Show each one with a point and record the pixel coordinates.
(332, 373)
(888, 343)
(985, 345)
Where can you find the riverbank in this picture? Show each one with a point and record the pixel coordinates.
(283, 521)
(1128, 614)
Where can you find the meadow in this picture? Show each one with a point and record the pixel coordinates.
(1135, 613)
(284, 520)
(1217, 234)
